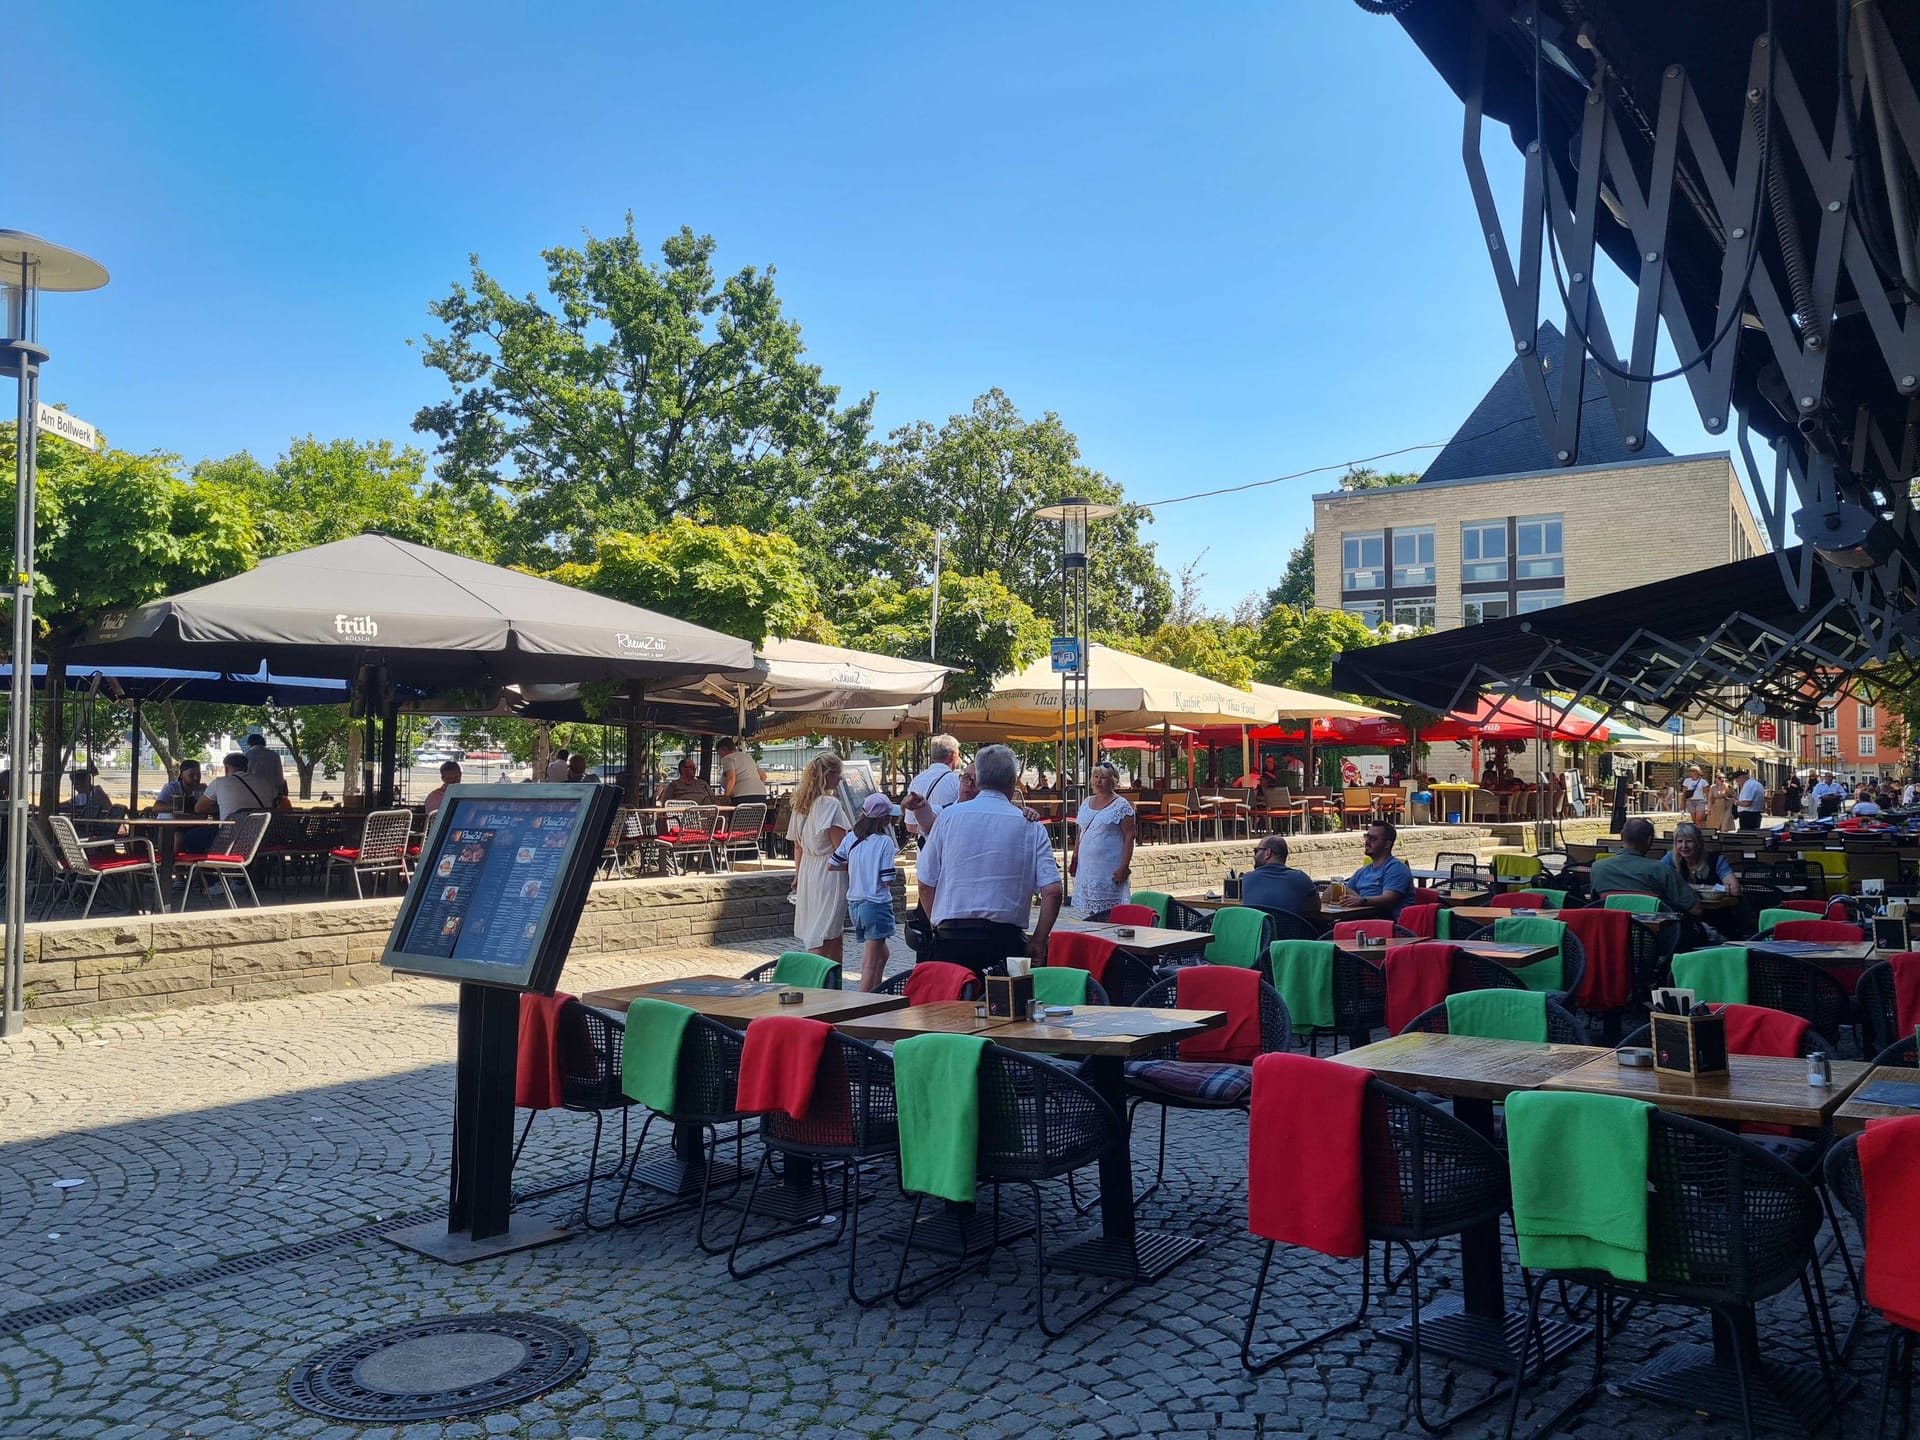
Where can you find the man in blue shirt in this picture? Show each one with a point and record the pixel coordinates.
(1383, 882)
(1273, 885)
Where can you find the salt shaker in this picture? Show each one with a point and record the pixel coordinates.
(1036, 1011)
(1819, 1069)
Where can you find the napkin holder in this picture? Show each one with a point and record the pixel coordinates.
(1009, 995)
(1690, 1044)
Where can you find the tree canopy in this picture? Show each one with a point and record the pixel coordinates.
(986, 631)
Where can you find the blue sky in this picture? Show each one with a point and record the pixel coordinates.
(1224, 242)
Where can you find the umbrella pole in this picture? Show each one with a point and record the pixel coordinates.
(389, 751)
(133, 781)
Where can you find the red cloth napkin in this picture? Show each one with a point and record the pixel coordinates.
(1906, 990)
(1519, 899)
(1231, 988)
(538, 1074)
(1304, 1149)
(1087, 952)
(1607, 937)
(1758, 1030)
(778, 1061)
(932, 981)
(1423, 896)
(1417, 980)
(1422, 920)
(1132, 915)
(1812, 907)
(1890, 1175)
(1354, 929)
(1837, 930)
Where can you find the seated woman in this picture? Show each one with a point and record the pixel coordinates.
(1702, 871)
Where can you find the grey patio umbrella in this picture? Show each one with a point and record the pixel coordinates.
(434, 620)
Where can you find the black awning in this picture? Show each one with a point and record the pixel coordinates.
(1716, 638)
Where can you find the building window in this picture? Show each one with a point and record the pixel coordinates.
(1475, 608)
(1413, 556)
(1867, 746)
(1371, 613)
(1830, 746)
(1417, 613)
(1363, 561)
(1536, 547)
(1532, 600)
(1483, 550)
(1829, 717)
(1866, 718)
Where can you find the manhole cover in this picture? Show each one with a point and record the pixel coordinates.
(429, 1369)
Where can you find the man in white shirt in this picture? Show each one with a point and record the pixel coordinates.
(1826, 796)
(234, 793)
(557, 767)
(741, 779)
(1749, 803)
(938, 785)
(263, 766)
(980, 869)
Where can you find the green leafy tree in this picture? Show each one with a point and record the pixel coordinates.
(635, 394)
(1208, 646)
(326, 490)
(977, 479)
(986, 631)
(1298, 650)
(114, 529)
(315, 736)
(1360, 477)
(1296, 581)
(516, 737)
(721, 576)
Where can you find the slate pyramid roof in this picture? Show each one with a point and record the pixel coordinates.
(1502, 435)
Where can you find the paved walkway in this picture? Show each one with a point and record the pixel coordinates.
(269, 1133)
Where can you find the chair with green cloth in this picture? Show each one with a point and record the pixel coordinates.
(1065, 985)
(1328, 991)
(1631, 900)
(801, 969)
(1718, 974)
(1647, 1217)
(685, 1069)
(1021, 1121)
(1157, 901)
(1557, 975)
(1501, 1015)
(1241, 935)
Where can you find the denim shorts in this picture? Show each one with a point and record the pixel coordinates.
(872, 919)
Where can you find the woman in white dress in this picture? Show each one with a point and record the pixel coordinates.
(818, 825)
(1103, 857)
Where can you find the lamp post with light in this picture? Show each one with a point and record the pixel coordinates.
(1073, 515)
(29, 266)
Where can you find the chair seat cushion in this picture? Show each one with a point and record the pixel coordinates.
(689, 837)
(1192, 1080)
(119, 864)
(216, 859)
(345, 852)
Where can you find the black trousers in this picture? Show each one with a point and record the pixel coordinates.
(980, 945)
(1746, 819)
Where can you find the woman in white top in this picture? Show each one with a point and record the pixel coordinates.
(1103, 857)
(1693, 794)
(818, 825)
(867, 855)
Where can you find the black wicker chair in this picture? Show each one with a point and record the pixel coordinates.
(1873, 1000)
(1904, 1051)
(1799, 987)
(1845, 1182)
(1188, 917)
(1038, 1121)
(705, 1081)
(1728, 1225)
(589, 1044)
(1425, 1176)
(1197, 1085)
(1573, 962)
(1289, 925)
(1476, 972)
(851, 1118)
(1563, 1026)
(896, 984)
(1359, 1003)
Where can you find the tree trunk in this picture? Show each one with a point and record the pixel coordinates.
(350, 778)
(51, 738)
(306, 768)
(166, 748)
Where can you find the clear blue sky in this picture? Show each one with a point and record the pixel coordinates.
(1224, 243)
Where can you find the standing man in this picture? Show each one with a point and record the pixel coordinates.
(980, 870)
(1826, 797)
(1384, 882)
(557, 766)
(264, 768)
(1749, 802)
(937, 786)
(741, 779)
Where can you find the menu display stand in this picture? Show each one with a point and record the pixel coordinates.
(493, 906)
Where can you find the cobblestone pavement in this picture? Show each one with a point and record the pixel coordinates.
(225, 1132)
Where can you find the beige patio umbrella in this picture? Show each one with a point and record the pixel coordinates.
(1128, 693)
(1305, 705)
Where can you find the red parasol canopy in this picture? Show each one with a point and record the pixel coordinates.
(1513, 719)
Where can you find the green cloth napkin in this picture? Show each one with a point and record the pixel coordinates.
(1303, 974)
(1158, 901)
(1498, 1014)
(1772, 917)
(650, 1052)
(1236, 937)
(1443, 925)
(1638, 904)
(1060, 985)
(936, 1087)
(1717, 976)
(1547, 974)
(1556, 899)
(806, 970)
(1579, 1166)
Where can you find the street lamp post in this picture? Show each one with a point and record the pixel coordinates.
(1070, 654)
(28, 266)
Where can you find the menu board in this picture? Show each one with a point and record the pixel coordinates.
(501, 882)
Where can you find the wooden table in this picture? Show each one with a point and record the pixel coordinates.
(1488, 914)
(1107, 1036)
(1502, 952)
(1855, 1112)
(1475, 1326)
(1840, 955)
(1146, 940)
(1206, 902)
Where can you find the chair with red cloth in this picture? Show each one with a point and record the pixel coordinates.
(1143, 916)
(849, 1116)
(1418, 977)
(1371, 929)
(241, 847)
(1124, 977)
(1837, 932)
(1815, 908)
(738, 838)
(1421, 919)
(569, 1059)
(695, 838)
(1876, 1174)
(933, 982)
(1610, 982)
(1887, 1000)
(1422, 895)
(1519, 900)
(92, 862)
(382, 851)
(1799, 987)
(1337, 1160)
(1212, 1071)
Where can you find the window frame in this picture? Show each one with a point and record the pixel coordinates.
(1479, 529)
(1363, 608)
(1347, 572)
(1422, 571)
(1556, 557)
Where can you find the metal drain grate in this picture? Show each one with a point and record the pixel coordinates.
(435, 1369)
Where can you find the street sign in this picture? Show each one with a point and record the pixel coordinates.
(1765, 731)
(67, 427)
(1066, 655)
(1675, 726)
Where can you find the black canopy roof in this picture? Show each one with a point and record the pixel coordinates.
(1718, 638)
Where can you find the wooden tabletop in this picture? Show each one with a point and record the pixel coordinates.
(1206, 902)
(758, 998)
(1503, 952)
(1488, 914)
(155, 822)
(1855, 1113)
(1844, 953)
(1768, 1089)
(1145, 940)
(1467, 1066)
(1118, 1031)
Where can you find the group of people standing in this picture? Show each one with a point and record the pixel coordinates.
(1723, 800)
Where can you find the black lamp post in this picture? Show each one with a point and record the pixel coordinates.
(1073, 515)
